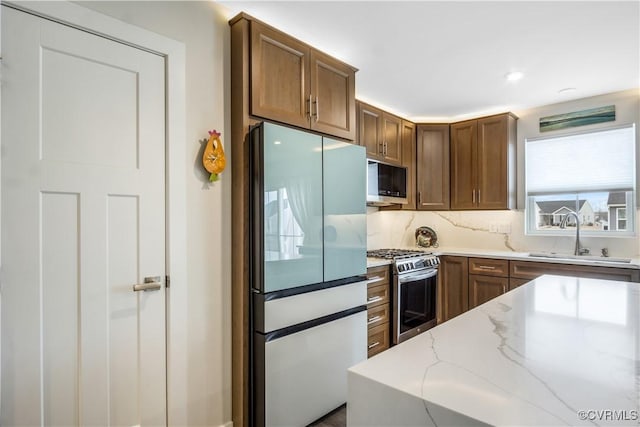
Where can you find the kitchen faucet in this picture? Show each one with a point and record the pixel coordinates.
(563, 224)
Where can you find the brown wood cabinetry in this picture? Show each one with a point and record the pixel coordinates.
(408, 161)
(454, 287)
(466, 283)
(529, 270)
(380, 132)
(483, 163)
(432, 167)
(378, 309)
(295, 84)
(488, 278)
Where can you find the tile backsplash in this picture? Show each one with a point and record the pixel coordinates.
(491, 230)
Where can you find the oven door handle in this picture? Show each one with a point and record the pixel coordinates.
(421, 275)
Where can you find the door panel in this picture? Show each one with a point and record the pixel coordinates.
(292, 211)
(463, 165)
(83, 220)
(333, 92)
(492, 163)
(280, 78)
(345, 210)
(433, 167)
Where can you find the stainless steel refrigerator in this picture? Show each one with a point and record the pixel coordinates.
(309, 290)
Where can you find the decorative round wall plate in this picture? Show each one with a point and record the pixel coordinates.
(426, 237)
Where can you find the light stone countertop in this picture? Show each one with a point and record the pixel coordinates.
(519, 256)
(537, 355)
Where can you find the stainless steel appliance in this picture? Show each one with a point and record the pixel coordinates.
(386, 184)
(415, 283)
(309, 291)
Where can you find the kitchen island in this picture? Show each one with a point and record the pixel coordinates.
(556, 351)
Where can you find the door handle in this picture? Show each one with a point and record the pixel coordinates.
(153, 283)
(317, 115)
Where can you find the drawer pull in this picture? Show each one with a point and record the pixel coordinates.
(486, 267)
(375, 279)
(374, 299)
(375, 344)
(374, 319)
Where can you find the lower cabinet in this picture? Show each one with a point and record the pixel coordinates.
(466, 283)
(378, 309)
(488, 278)
(485, 288)
(453, 294)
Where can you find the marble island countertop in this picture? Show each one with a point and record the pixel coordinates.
(634, 263)
(537, 355)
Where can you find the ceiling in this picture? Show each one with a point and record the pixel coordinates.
(447, 60)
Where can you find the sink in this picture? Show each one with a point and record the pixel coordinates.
(592, 258)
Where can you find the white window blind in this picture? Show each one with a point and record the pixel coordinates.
(597, 161)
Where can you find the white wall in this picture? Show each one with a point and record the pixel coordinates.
(203, 28)
(469, 229)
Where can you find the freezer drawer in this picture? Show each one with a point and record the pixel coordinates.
(303, 376)
(279, 313)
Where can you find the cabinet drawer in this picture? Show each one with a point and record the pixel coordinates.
(377, 295)
(532, 269)
(378, 339)
(378, 275)
(489, 267)
(377, 315)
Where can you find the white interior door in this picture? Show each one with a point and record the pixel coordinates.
(83, 220)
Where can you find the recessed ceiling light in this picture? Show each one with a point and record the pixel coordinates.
(567, 89)
(514, 76)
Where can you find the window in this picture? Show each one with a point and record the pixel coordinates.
(591, 175)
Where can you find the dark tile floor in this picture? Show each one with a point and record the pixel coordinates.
(336, 418)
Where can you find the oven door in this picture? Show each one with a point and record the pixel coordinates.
(415, 303)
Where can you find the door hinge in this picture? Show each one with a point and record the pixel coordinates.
(167, 281)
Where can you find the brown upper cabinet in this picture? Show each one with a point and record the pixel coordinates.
(483, 163)
(381, 133)
(408, 161)
(432, 167)
(295, 84)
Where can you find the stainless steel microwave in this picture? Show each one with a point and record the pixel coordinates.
(386, 184)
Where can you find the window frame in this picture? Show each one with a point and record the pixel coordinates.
(530, 216)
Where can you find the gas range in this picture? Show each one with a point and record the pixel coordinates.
(406, 260)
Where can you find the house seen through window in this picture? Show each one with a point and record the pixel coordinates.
(591, 174)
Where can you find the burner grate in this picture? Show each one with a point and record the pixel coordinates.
(395, 253)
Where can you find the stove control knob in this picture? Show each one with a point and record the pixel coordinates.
(401, 267)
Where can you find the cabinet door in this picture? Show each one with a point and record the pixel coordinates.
(280, 78)
(454, 281)
(392, 139)
(333, 96)
(369, 130)
(409, 161)
(463, 165)
(492, 187)
(432, 167)
(485, 288)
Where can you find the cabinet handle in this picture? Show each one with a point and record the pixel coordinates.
(473, 197)
(486, 267)
(375, 344)
(478, 196)
(374, 299)
(374, 319)
(385, 148)
(317, 114)
(419, 197)
(504, 289)
(375, 279)
(310, 113)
